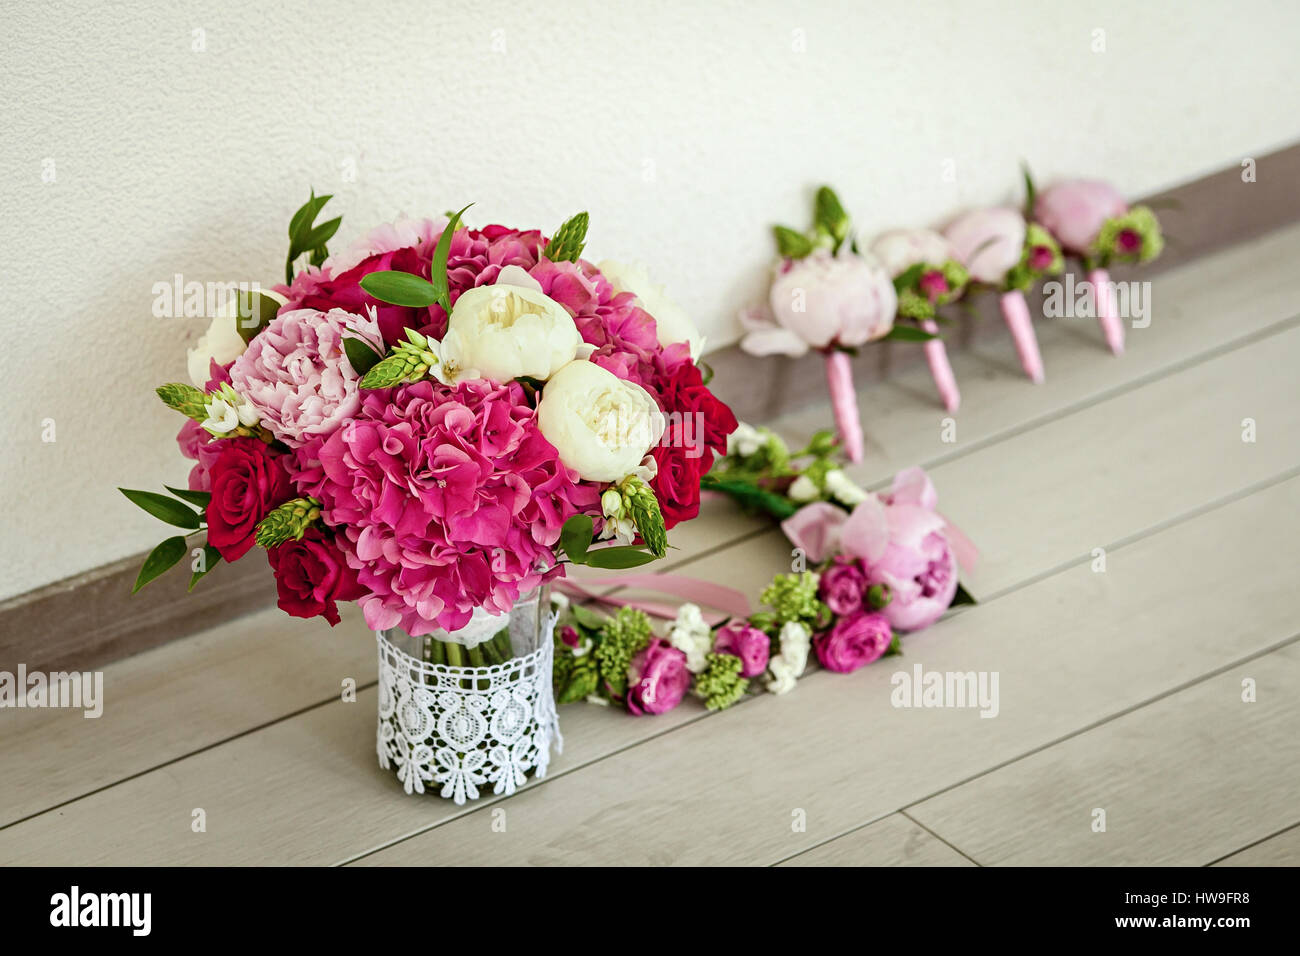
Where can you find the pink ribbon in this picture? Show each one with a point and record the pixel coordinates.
(729, 601)
(844, 403)
(940, 368)
(1107, 311)
(1015, 310)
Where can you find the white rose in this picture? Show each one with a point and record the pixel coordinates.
(601, 425)
(508, 330)
(672, 323)
(221, 341)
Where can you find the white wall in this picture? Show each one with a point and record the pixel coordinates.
(685, 129)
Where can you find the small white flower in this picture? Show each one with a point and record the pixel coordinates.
(804, 488)
(744, 441)
(844, 489)
(795, 643)
(559, 601)
(781, 676)
(692, 635)
(227, 410)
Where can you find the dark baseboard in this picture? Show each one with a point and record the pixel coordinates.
(89, 620)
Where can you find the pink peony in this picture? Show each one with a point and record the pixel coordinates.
(842, 586)
(989, 242)
(1074, 212)
(297, 377)
(820, 301)
(748, 643)
(853, 642)
(449, 498)
(657, 678)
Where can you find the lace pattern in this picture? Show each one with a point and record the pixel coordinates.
(464, 728)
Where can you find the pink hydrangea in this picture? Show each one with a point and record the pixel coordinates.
(297, 377)
(448, 498)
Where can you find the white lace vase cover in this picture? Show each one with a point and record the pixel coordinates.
(466, 727)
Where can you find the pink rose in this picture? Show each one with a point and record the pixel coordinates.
(842, 586)
(823, 300)
(197, 444)
(657, 679)
(853, 642)
(1074, 212)
(988, 242)
(748, 643)
(297, 377)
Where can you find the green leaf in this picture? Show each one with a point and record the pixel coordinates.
(962, 597)
(791, 244)
(1031, 194)
(401, 288)
(586, 617)
(618, 558)
(302, 228)
(322, 233)
(256, 311)
(909, 277)
(895, 647)
(909, 333)
(160, 559)
(163, 508)
(361, 356)
(706, 372)
(438, 270)
(830, 214)
(211, 558)
(751, 496)
(185, 399)
(200, 498)
(567, 243)
(575, 538)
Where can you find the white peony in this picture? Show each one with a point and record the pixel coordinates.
(509, 330)
(672, 323)
(601, 425)
(221, 341)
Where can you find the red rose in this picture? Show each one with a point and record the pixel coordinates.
(248, 482)
(698, 426)
(311, 575)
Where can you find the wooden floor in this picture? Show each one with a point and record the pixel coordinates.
(1119, 690)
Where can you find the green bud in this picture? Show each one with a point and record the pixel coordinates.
(289, 521)
(879, 596)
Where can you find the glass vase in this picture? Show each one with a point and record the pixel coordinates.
(459, 711)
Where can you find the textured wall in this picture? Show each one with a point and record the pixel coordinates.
(685, 128)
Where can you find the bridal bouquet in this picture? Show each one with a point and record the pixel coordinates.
(433, 420)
